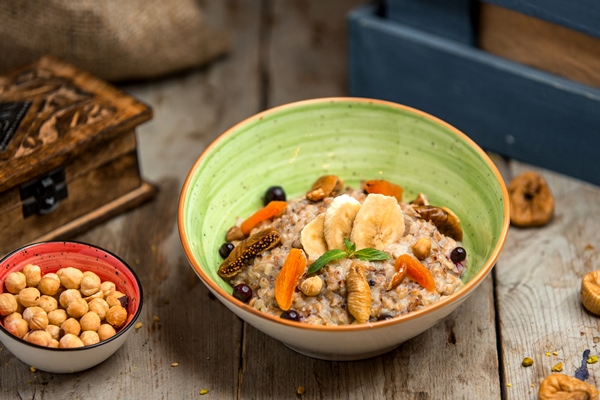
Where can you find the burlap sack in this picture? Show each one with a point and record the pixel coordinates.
(114, 39)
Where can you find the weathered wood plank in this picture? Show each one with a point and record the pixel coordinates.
(540, 44)
(199, 334)
(452, 19)
(538, 279)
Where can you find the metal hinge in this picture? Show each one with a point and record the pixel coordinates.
(43, 194)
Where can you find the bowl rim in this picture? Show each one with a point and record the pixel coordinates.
(121, 332)
(466, 289)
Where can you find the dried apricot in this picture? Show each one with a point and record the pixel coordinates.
(415, 271)
(269, 211)
(290, 273)
(384, 187)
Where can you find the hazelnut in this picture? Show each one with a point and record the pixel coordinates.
(116, 316)
(33, 274)
(312, 286)
(77, 308)
(422, 248)
(98, 295)
(17, 327)
(39, 337)
(48, 303)
(235, 233)
(117, 298)
(107, 287)
(49, 284)
(36, 317)
(53, 343)
(99, 306)
(15, 282)
(89, 337)
(8, 304)
(70, 277)
(70, 341)
(71, 326)
(106, 331)
(12, 317)
(57, 317)
(67, 296)
(54, 331)
(29, 297)
(90, 283)
(90, 321)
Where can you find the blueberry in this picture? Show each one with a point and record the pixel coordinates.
(458, 255)
(291, 314)
(274, 193)
(225, 249)
(242, 292)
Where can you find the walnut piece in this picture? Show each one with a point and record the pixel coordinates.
(531, 201)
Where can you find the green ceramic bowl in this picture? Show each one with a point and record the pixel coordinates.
(356, 139)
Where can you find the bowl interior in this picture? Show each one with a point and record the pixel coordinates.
(356, 139)
(51, 256)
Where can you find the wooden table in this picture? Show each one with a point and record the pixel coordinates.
(286, 51)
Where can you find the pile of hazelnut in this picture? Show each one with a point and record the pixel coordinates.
(66, 309)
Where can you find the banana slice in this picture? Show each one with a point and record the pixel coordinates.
(339, 219)
(378, 223)
(312, 238)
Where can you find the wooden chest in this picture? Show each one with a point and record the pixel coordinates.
(68, 152)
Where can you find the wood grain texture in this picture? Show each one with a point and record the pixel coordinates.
(540, 44)
(582, 15)
(538, 279)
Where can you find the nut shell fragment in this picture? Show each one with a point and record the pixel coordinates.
(561, 386)
(590, 292)
(359, 293)
(325, 186)
(531, 201)
(243, 254)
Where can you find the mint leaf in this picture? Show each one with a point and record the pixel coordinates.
(369, 254)
(350, 247)
(326, 258)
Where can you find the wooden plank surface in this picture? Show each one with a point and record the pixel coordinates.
(283, 51)
(538, 279)
(540, 44)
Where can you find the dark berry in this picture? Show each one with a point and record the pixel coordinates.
(242, 292)
(384, 317)
(291, 314)
(458, 255)
(226, 249)
(274, 193)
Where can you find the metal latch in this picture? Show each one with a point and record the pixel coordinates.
(42, 195)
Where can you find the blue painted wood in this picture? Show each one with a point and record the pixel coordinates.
(505, 107)
(453, 19)
(581, 15)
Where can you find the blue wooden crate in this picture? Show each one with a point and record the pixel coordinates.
(505, 107)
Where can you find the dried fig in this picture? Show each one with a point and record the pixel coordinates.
(531, 201)
(590, 292)
(560, 386)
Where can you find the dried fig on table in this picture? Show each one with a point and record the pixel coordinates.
(531, 201)
(590, 292)
(564, 387)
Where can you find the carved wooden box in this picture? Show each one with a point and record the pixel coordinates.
(68, 152)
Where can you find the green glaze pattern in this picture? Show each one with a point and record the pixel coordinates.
(356, 139)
